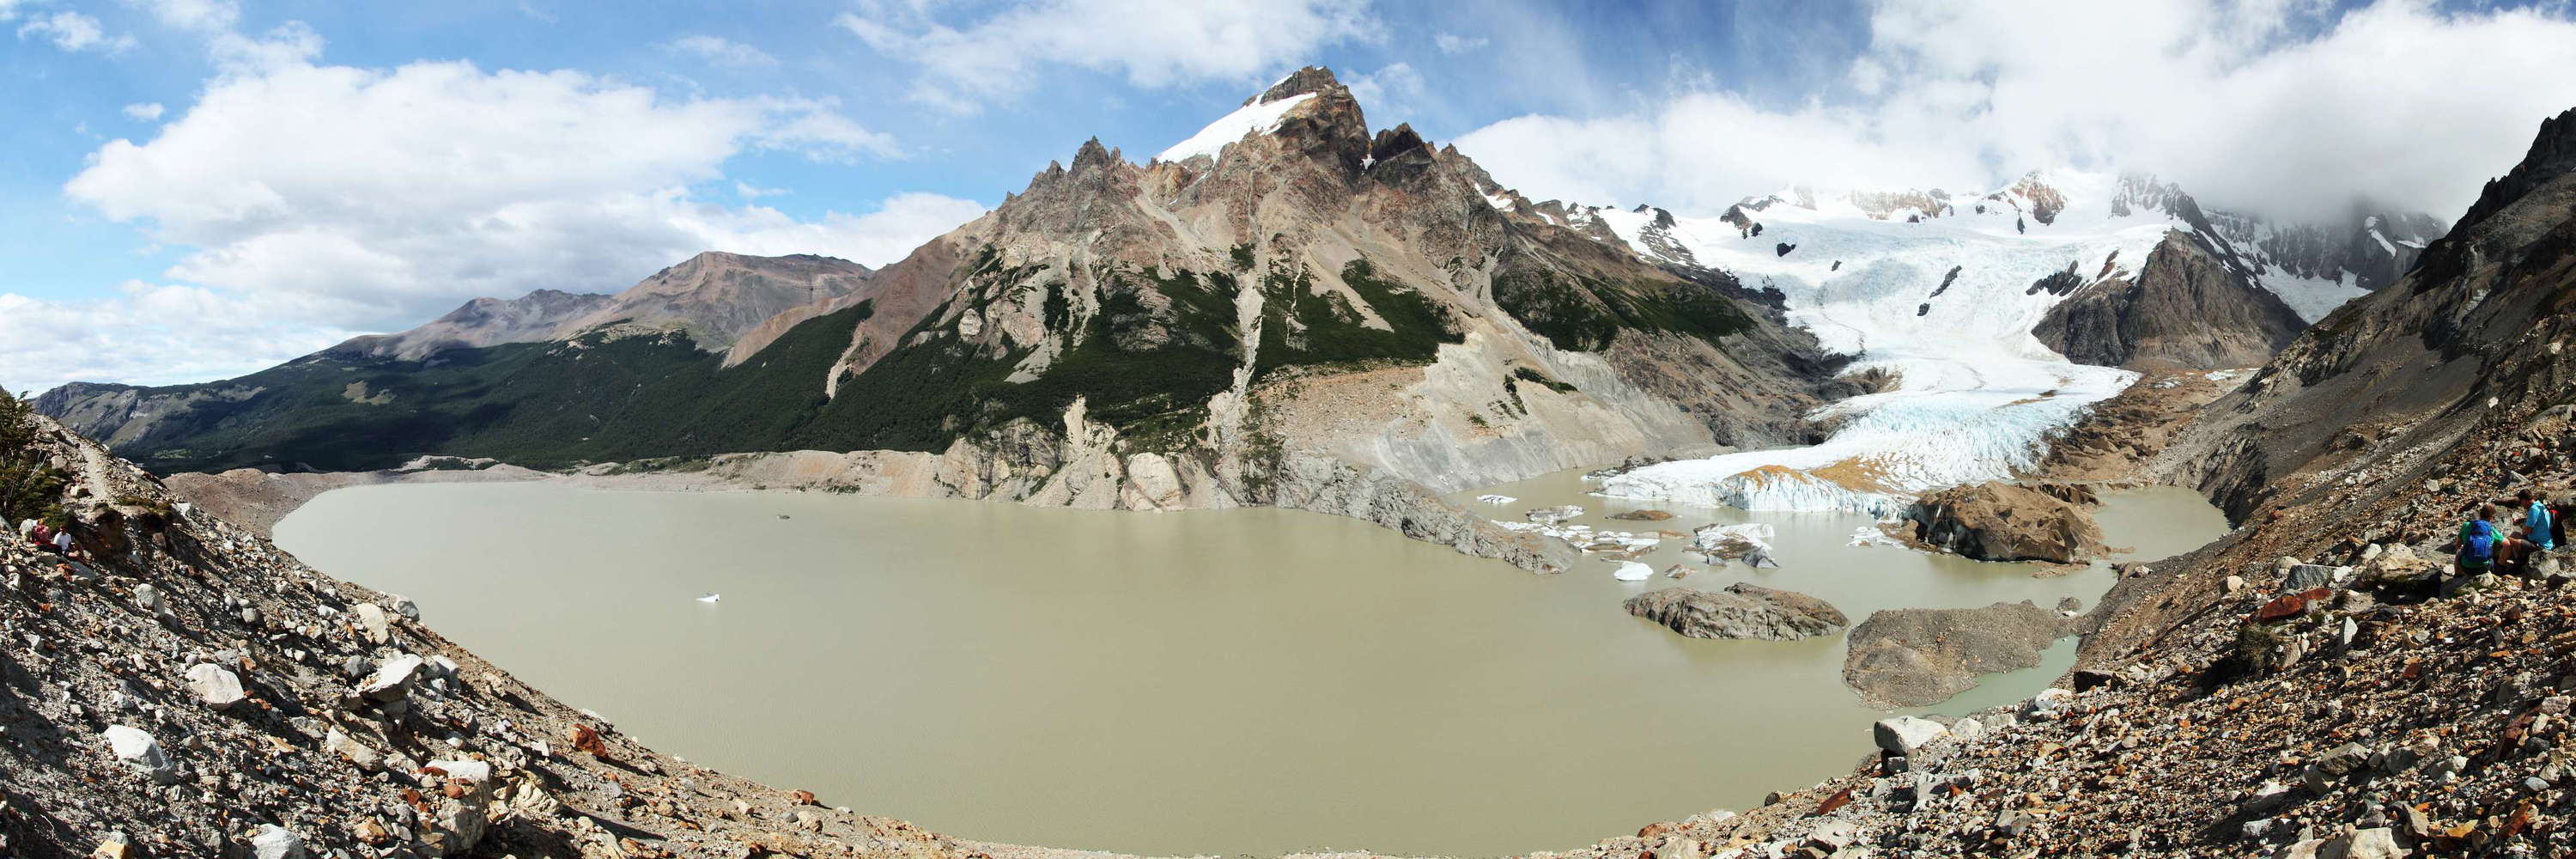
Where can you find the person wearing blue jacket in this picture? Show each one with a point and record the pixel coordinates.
(2535, 519)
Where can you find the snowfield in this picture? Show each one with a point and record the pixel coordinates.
(1976, 394)
(1263, 117)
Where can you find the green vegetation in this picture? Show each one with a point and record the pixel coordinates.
(597, 397)
(1579, 314)
(30, 487)
(1147, 371)
(1301, 328)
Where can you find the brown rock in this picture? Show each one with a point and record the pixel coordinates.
(2007, 522)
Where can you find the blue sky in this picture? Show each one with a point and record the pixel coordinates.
(197, 188)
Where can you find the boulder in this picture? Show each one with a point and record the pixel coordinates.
(392, 680)
(1903, 734)
(372, 621)
(1640, 516)
(2303, 577)
(215, 685)
(138, 750)
(2005, 522)
(1919, 657)
(1740, 611)
(274, 842)
(2397, 566)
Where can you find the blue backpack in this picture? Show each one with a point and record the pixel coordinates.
(2479, 548)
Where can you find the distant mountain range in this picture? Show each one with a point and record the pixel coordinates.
(1285, 284)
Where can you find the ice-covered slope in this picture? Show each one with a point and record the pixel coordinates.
(1932, 290)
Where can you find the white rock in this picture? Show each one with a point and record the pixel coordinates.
(371, 618)
(1631, 571)
(148, 598)
(138, 750)
(1903, 734)
(469, 770)
(392, 680)
(1967, 728)
(2048, 701)
(274, 842)
(215, 685)
(402, 605)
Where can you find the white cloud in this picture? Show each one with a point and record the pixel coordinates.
(333, 199)
(2259, 105)
(1390, 94)
(720, 51)
(145, 112)
(1452, 43)
(73, 31)
(205, 16)
(1153, 43)
(147, 334)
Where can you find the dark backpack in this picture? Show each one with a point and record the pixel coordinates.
(2479, 548)
(2558, 524)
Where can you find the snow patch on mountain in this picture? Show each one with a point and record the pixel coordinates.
(1262, 117)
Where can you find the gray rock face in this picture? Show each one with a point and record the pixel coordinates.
(2188, 310)
(1920, 657)
(1740, 611)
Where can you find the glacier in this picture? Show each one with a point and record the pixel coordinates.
(1945, 306)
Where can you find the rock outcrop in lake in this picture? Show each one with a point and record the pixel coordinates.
(2009, 522)
(1917, 657)
(1742, 610)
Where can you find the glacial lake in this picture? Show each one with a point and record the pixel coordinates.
(1223, 682)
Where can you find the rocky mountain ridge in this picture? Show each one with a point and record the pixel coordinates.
(1206, 332)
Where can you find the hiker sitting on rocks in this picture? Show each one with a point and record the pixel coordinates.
(2538, 519)
(2478, 542)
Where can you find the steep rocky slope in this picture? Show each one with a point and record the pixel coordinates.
(177, 687)
(2186, 309)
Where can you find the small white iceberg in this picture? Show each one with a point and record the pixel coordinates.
(711, 597)
(1496, 499)
(1631, 571)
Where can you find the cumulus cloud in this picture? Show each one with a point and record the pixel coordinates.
(73, 31)
(1153, 43)
(312, 201)
(145, 112)
(720, 51)
(2281, 106)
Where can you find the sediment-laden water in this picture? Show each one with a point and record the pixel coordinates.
(1245, 681)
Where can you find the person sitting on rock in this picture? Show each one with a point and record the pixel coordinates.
(2537, 519)
(2478, 539)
